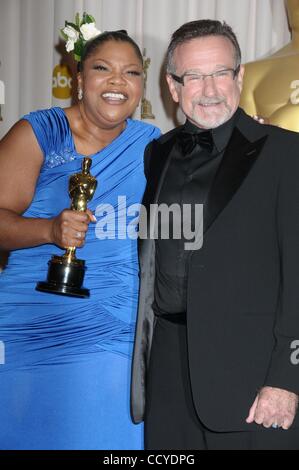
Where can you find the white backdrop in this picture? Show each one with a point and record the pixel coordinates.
(30, 48)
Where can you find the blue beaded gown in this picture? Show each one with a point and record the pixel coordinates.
(65, 361)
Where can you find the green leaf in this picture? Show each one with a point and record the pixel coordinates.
(77, 58)
(87, 18)
(73, 25)
(77, 20)
(78, 49)
(90, 19)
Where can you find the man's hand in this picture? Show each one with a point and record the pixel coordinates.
(274, 406)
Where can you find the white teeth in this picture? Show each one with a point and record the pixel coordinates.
(114, 96)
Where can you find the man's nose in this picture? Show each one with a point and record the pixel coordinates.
(208, 86)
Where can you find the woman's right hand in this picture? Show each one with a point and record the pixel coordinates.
(69, 228)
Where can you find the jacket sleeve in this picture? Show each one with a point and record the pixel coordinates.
(284, 368)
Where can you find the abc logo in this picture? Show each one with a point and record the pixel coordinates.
(62, 82)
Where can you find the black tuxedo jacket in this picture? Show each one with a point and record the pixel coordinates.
(243, 284)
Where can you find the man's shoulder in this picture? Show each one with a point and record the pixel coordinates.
(158, 148)
(254, 129)
(164, 138)
(282, 144)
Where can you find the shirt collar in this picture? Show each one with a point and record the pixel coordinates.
(220, 134)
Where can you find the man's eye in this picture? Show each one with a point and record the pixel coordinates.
(222, 73)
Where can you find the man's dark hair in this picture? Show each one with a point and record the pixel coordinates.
(121, 36)
(200, 29)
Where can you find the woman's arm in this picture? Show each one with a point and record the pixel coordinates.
(20, 162)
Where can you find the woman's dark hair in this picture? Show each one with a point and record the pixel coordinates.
(199, 29)
(93, 44)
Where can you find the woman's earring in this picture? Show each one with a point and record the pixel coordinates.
(80, 94)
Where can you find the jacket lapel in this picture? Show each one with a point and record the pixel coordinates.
(238, 159)
(160, 155)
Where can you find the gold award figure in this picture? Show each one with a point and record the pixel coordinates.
(66, 273)
(146, 107)
(271, 85)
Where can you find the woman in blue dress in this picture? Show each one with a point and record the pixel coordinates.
(65, 361)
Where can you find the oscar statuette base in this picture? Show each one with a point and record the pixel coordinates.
(64, 278)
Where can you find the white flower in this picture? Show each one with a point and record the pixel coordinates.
(89, 31)
(71, 33)
(70, 45)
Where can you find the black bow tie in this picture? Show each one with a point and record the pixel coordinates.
(188, 141)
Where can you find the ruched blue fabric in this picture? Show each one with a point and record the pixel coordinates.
(65, 379)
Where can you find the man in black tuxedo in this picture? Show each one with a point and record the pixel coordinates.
(216, 352)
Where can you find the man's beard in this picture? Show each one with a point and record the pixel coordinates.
(213, 121)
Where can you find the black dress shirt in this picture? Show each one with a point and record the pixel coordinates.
(187, 181)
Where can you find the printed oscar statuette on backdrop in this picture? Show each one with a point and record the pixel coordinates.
(66, 273)
(146, 106)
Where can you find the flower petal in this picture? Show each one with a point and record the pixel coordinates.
(89, 31)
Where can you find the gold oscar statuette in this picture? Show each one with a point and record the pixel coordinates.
(146, 107)
(66, 273)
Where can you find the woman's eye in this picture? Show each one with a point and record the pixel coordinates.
(101, 67)
(135, 73)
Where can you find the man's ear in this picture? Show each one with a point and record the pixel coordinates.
(240, 77)
(172, 88)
